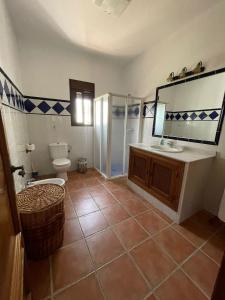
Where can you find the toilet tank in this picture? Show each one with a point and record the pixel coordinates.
(58, 150)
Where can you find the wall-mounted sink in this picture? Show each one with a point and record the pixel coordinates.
(166, 148)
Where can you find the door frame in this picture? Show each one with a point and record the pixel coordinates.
(8, 177)
(19, 283)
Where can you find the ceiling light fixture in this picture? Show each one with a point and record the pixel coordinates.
(113, 7)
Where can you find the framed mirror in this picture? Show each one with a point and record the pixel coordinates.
(191, 109)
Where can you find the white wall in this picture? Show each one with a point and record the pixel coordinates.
(15, 122)
(203, 39)
(46, 71)
(8, 51)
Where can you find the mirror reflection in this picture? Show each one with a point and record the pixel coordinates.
(191, 110)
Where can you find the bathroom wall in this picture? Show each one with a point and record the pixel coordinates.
(14, 118)
(203, 39)
(46, 73)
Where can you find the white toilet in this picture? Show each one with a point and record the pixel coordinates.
(59, 155)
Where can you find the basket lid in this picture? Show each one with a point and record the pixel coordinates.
(39, 197)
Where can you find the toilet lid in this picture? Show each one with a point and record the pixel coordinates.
(61, 161)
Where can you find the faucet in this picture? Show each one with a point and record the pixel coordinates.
(162, 141)
(28, 182)
(171, 143)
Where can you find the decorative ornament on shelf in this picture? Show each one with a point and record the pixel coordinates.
(185, 73)
(172, 77)
(199, 68)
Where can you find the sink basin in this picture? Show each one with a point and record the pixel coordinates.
(165, 148)
(58, 181)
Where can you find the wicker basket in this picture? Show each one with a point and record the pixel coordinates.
(42, 218)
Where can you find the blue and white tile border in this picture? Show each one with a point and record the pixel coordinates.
(149, 109)
(118, 112)
(46, 106)
(10, 95)
(194, 115)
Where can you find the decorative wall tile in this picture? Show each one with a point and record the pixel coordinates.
(45, 106)
(16, 129)
(119, 111)
(9, 94)
(194, 115)
(133, 111)
(149, 109)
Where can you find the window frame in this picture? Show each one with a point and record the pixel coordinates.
(77, 86)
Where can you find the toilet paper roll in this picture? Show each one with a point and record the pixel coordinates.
(30, 147)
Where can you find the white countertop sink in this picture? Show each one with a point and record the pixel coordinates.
(165, 148)
(181, 153)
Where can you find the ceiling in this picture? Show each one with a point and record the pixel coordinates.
(83, 24)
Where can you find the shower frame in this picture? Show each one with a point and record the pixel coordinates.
(107, 174)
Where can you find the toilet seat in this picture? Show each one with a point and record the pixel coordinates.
(61, 162)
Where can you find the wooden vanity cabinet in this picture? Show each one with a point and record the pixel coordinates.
(160, 176)
(139, 164)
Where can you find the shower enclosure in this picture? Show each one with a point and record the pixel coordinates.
(117, 123)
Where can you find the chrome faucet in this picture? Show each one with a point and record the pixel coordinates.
(162, 141)
(171, 143)
(29, 182)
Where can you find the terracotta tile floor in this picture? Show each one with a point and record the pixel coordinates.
(117, 246)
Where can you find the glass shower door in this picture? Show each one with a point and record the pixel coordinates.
(104, 133)
(97, 133)
(117, 134)
(101, 133)
(132, 126)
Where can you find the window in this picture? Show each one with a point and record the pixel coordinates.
(81, 96)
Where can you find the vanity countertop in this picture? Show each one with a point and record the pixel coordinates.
(188, 155)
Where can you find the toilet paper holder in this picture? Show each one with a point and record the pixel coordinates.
(30, 148)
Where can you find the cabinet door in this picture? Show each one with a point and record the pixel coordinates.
(165, 179)
(139, 167)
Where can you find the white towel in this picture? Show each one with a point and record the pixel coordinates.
(221, 213)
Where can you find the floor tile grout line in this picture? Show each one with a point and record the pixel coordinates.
(195, 283)
(111, 226)
(176, 231)
(60, 290)
(197, 249)
(149, 237)
(127, 251)
(150, 209)
(96, 275)
(179, 266)
(119, 203)
(163, 280)
(142, 212)
(203, 252)
(114, 225)
(202, 245)
(136, 215)
(96, 269)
